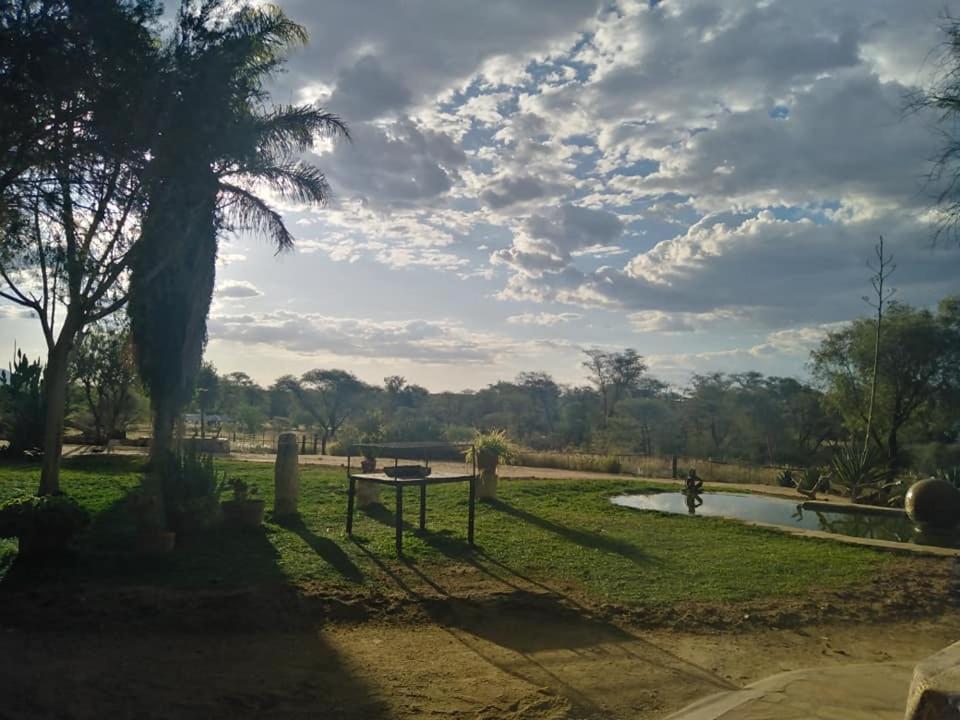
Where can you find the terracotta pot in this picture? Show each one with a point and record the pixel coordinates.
(242, 513)
(156, 542)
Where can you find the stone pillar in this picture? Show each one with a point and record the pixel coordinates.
(286, 475)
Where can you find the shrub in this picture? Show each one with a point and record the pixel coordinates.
(55, 518)
(22, 406)
(190, 490)
(241, 489)
(570, 461)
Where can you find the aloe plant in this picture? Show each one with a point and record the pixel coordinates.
(860, 475)
(951, 475)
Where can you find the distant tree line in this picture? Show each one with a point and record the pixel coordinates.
(623, 409)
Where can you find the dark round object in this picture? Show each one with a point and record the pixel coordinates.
(406, 472)
(933, 503)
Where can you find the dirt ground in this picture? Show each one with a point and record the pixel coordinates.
(448, 643)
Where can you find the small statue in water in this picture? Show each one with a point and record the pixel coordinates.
(693, 484)
(692, 487)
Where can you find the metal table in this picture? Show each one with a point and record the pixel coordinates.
(399, 484)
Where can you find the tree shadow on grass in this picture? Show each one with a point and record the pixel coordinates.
(583, 538)
(326, 548)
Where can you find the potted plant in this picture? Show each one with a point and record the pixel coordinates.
(152, 537)
(489, 450)
(44, 526)
(243, 511)
(368, 493)
(369, 462)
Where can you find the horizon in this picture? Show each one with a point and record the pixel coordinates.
(524, 183)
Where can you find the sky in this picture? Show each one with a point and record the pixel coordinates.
(703, 181)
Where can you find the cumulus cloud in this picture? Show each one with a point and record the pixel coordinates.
(400, 162)
(431, 342)
(237, 290)
(543, 318)
(771, 270)
(712, 172)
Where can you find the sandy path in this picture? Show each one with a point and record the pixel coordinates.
(494, 667)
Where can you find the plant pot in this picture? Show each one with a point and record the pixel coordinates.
(487, 460)
(156, 542)
(368, 466)
(487, 485)
(242, 513)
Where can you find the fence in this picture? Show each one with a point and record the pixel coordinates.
(653, 466)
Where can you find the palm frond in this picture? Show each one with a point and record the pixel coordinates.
(250, 212)
(268, 25)
(297, 181)
(294, 128)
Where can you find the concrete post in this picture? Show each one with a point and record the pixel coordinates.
(286, 475)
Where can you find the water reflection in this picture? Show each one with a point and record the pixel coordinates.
(693, 501)
(780, 511)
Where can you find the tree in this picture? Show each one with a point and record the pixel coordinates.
(104, 368)
(943, 97)
(21, 406)
(710, 408)
(218, 142)
(615, 375)
(544, 392)
(74, 140)
(329, 396)
(919, 358)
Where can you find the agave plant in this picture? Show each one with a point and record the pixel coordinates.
(951, 475)
(860, 476)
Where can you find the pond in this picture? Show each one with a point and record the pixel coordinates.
(788, 513)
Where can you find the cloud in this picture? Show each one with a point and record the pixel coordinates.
(770, 270)
(430, 342)
(367, 91)
(543, 318)
(237, 290)
(399, 163)
(825, 150)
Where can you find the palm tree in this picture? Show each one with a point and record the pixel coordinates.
(219, 142)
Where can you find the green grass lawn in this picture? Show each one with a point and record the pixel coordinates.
(555, 532)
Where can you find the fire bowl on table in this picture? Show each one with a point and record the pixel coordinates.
(406, 472)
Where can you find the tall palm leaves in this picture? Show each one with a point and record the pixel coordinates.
(218, 144)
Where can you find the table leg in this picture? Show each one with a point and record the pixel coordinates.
(399, 520)
(423, 507)
(472, 511)
(351, 491)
